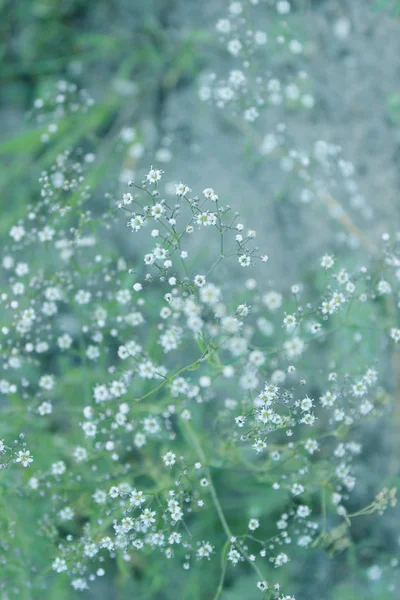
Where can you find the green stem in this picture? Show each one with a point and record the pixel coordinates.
(200, 452)
(203, 357)
(223, 571)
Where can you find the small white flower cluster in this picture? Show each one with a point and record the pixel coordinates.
(131, 367)
(248, 39)
(149, 366)
(319, 174)
(64, 100)
(16, 452)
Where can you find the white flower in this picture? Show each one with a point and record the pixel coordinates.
(311, 446)
(80, 454)
(234, 47)
(290, 322)
(253, 524)
(210, 194)
(136, 222)
(17, 232)
(154, 175)
(66, 513)
(83, 297)
(235, 8)
(327, 261)
(100, 497)
(148, 517)
(366, 407)
(205, 550)
(92, 352)
(395, 334)
(303, 511)
(127, 199)
(89, 429)
(157, 211)
(199, 280)
(64, 341)
(128, 134)
(45, 408)
(297, 489)
(260, 38)
(283, 7)
(79, 584)
(223, 26)
(123, 296)
(295, 47)
(244, 260)
(294, 347)
(281, 559)
(234, 556)
(374, 573)
(46, 235)
(169, 459)
(210, 294)
(259, 445)
(58, 468)
(262, 585)
(206, 219)
(384, 287)
(273, 300)
(251, 114)
(24, 457)
(306, 404)
(47, 382)
(181, 189)
(136, 498)
(59, 565)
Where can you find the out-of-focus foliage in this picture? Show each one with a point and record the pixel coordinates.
(124, 52)
(392, 5)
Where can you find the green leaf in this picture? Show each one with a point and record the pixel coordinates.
(201, 343)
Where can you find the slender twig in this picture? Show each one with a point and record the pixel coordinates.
(230, 537)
